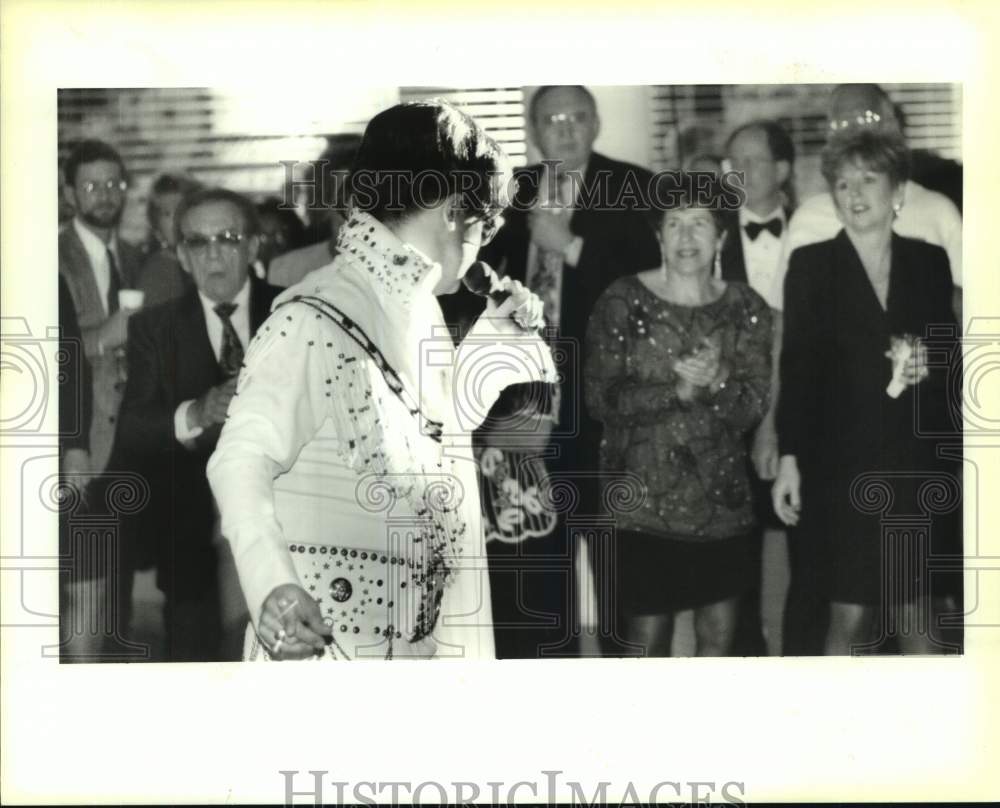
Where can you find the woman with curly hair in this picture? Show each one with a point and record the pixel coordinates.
(678, 369)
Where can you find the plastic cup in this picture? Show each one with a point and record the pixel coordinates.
(130, 298)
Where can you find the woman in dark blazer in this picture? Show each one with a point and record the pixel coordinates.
(858, 430)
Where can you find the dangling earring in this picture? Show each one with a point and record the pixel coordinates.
(896, 208)
(718, 255)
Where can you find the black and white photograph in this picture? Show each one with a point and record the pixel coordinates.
(602, 408)
(693, 415)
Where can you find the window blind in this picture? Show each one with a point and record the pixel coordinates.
(686, 117)
(499, 110)
(241, 138)
(237, 138)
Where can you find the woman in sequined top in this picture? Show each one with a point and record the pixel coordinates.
(677, 368)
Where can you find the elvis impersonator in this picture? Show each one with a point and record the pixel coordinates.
(344, 474)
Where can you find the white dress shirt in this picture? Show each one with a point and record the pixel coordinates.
(762, 255)
(925, 215)
(97, 252)
(240, 319)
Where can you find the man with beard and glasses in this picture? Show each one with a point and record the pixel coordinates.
(95, 264)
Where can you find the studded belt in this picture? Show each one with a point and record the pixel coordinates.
(379, 605)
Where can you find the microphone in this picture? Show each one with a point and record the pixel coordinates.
(480, 279)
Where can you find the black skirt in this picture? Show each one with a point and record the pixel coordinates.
(887, 537)
(657, 575)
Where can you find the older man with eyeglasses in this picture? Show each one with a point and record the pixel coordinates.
(185, 355)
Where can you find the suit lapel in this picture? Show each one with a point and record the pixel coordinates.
(581, 220)
(75, 251)
(733, 263)
(75, 262)
(515, 257)
(897, 301)
(197, 367)
(861, 305)
(260, 305)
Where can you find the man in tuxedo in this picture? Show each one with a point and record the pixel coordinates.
(94, 264)
(576, 224)
(185, 355)
(764, 154)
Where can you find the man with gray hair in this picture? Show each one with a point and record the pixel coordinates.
(185, 355)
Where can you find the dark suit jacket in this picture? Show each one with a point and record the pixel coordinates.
(76, 271)
(833, 412)
(76, 402)
(172, 361)
(618, 239)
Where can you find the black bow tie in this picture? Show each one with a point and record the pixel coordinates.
(753, 228)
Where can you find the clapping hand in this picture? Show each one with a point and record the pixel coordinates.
(291, 625)
(701, 368)
(550, 229)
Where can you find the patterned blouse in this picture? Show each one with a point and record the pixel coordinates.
(691, 456)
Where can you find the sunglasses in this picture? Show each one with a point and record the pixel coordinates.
(229, 240)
